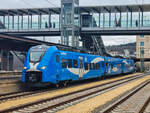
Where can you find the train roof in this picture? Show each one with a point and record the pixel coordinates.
(74, 49)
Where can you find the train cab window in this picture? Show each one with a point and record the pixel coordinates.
(86, 66)
(69, 63)
(64, 63)
(75, 64)
(57, 58)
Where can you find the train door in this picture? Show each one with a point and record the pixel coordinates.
(63, 66)
(81, 69)
(108, 66)
(103, 68)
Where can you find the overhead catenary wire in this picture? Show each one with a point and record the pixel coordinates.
(51, 3)
(142, 2)
(32, 6)
(136, 1)
(139, 1)
(27, 3)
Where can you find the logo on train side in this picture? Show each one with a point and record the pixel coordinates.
(125, 62)
(115, 68)
(128, 65)
(63, 53)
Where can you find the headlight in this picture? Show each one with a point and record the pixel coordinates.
(44, 67)
(25, 67)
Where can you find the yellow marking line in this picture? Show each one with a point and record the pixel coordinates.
(26, 100)
(89, 105)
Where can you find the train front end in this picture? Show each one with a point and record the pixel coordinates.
(33, 71)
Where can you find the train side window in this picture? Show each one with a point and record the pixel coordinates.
(86, 66)
(112, 65)
(99, 66)
(109, 64)
(96, 66)
(118, 65)
(64, 63)
(106, 64)
(69, 63)
(75, 65)
(90, 65)
(81, 63)
(57, 58)
(102, 63)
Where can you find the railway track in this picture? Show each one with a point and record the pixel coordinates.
(17, 95)
(134, 102)
(10, 77)
(22, 94)
(59, 102)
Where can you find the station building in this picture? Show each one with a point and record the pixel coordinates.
(9, 61)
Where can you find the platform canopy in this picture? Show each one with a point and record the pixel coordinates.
(10, 42)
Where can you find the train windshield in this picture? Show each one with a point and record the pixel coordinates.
(37, 53)
(36, 56)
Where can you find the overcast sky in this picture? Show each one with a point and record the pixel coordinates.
(108, 40)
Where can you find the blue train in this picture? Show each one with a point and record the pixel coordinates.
(48, 64)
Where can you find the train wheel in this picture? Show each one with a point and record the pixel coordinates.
(102, 77)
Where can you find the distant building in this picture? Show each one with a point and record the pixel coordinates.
(113, 53)
(9, 61)
(143, 46)
(124, 50)
(6, 59)
(143, 49)
(126, 53)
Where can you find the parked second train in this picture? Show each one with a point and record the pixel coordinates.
(48, 64)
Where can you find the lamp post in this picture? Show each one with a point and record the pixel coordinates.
(142, 58)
